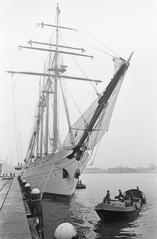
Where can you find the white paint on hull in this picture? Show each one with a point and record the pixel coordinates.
(47, 173)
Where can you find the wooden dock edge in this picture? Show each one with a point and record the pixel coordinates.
(13, 219)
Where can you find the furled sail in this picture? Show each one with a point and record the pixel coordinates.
(102, 124)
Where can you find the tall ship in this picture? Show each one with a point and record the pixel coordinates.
(52, 165)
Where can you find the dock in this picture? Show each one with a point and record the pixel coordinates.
(13, 219)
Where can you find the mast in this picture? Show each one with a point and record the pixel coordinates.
(38, 122)
(53, 74)
(41, 127)
(68, 118)
(48, 92)
(45, 94)
(47, 123)
(55, 96)
(37, 136)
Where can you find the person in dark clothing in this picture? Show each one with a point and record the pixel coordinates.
(139, 194)
(107, 197)
(120, 197)
(131, 199)
(120, 194)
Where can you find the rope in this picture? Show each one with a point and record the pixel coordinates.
(76, 105)
(101, 43)
(100, 123)
(85, 74)
(95, 154)
(47, 178)
(102, 51)
(15, 121)
(21, 151)
(27, 109)
(96, 39)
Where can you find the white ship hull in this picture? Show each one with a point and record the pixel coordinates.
(47, 173)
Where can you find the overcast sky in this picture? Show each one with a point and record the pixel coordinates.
(122, 25)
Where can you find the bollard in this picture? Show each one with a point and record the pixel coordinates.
(27, 192)
(23, 185)
(36, 210)
(19, 180)
(65, 231)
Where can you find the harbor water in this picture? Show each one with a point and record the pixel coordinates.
(80, 209)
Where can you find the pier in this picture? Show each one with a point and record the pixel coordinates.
(13, 219)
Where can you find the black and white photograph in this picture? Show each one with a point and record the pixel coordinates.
(78, 119)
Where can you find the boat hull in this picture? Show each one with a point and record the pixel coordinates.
(116, 215)
(80, 186)
(47, 174)
(117, 210)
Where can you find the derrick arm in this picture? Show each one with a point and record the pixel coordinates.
(102, 102)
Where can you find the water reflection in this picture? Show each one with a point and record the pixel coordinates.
(59, 211)
(120, 229)
(83, 217)
(80, 210)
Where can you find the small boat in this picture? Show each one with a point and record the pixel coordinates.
(80, 185)
(121, 208)
(18, 167)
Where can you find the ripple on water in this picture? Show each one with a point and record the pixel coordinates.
(80, 210)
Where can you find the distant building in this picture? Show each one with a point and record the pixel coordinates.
(121, 170)
(94, 170)
(151, 169)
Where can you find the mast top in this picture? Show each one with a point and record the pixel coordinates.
(58, 10)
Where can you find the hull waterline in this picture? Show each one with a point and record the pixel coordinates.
(107, 216)
(49, 176)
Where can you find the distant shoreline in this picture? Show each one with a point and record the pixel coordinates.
(114, 172)
(119, 170)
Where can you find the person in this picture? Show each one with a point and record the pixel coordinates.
(131, 199)
(107, 197)
(138, 190)
(139, 194)
(120, 194)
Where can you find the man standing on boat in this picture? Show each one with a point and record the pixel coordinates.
(107, 197)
